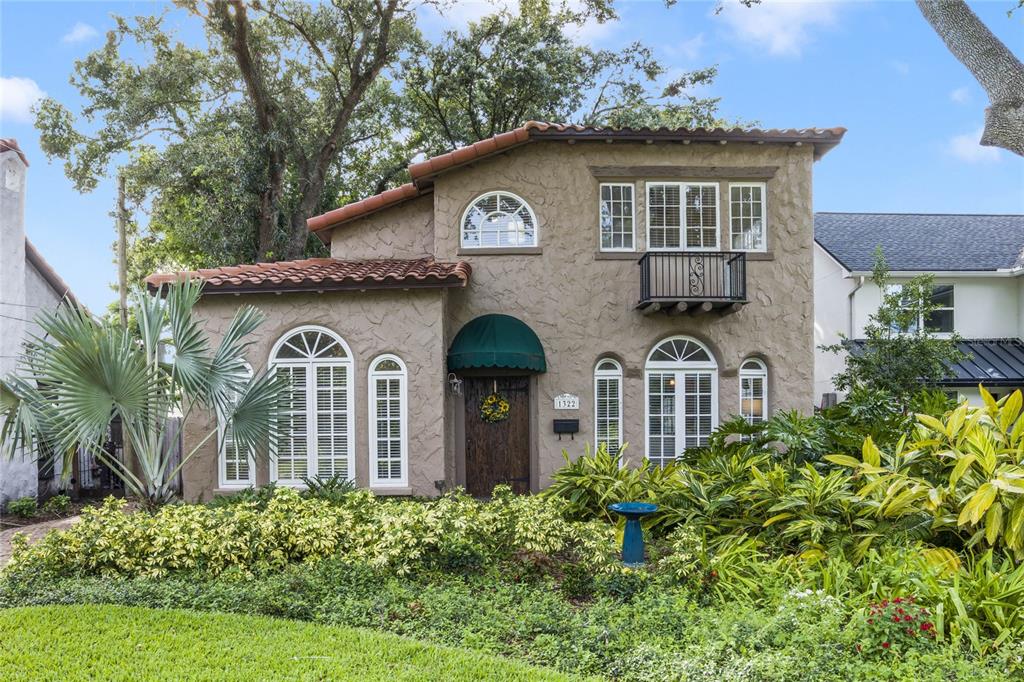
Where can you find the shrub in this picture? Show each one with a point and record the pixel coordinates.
(25, 507)
(58, 504)
(334, 489)
(893, 626)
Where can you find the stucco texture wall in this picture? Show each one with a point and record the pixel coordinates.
(406, 323)
(583, 308)
(404, 231)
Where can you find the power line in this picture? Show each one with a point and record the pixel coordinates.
(20, 319)
(22, 305)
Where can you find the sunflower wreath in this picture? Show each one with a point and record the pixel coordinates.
(494, 408)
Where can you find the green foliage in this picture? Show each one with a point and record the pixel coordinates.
(257, 498)
(25, 507)
(81, 372)
(892, 627)
(900, 351)
(58, 504)
(146, 644)
(334, 489)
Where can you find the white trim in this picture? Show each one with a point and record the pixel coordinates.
(683, 185)
(943, 273)
(763, 186)
(222, 462)
(403, 395)
(499, 192)
(608, 374)
(680, 370)
(632, 206)
(311, 365)
(762, 373)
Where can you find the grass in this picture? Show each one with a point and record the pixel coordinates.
(75, 643)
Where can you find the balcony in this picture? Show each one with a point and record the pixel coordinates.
(692, 281)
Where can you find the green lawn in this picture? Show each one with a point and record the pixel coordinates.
(121, 643)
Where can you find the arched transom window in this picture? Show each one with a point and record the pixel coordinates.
(682, 398)
(389, 451)
(317, 439)
(608, 404)
(753, 390)
(498, 220)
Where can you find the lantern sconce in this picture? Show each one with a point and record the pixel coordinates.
(454, 383)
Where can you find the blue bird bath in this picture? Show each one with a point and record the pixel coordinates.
(633, 537)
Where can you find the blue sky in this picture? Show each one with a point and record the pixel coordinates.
(913, 112)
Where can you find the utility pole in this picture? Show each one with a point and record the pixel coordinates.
(122, 250)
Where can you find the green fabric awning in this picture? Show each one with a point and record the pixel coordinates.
(496, 341)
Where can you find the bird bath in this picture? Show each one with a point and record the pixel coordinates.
(633, 537)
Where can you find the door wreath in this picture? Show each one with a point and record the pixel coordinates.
(494, 408)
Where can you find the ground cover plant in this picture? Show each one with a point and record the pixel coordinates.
(119, 643)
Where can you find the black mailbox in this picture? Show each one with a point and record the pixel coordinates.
(570, 426)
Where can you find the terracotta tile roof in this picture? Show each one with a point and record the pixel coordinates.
(9, 144)
(324, 274)
(422, 173)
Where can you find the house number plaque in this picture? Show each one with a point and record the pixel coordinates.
(567, 401)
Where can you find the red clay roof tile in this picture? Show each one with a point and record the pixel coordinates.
(324, 274)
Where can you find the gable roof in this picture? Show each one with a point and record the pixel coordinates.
(49, 275)
(9, 144)
(323, 274)
(424, 172)
(925, 242)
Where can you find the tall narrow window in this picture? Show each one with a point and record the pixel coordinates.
(236, 465)
(317, 440)
(617, 217)
(608, 405)
(747, 216)
(682, 398)
(753, 391)
(682, 216)
(389, 460)
(498, 220)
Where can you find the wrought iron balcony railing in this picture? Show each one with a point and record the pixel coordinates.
(697, 281)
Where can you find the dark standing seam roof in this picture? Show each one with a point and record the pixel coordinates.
(922, 241)
(992, 362)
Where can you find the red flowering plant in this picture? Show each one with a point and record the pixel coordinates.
(893, 626)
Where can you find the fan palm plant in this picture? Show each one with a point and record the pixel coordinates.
(82, 372)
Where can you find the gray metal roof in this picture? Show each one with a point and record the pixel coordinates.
(921, 241)
(992, 362)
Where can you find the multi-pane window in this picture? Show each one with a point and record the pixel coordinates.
(608, 405)
(617, 232)
(682, 398)
(388, 438)
(940, 320)
(237, 464)
(753, 391)
(498, 220)
(747, 216)
(682, 215)
(317, 437)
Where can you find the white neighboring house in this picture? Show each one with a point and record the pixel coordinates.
(977, 262)
(28, 285)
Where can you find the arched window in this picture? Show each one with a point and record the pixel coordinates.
(753, 390)
(317, 440)
(498, 219)
(236, 465)
(389, 452)
(608, 404)
(682, 398)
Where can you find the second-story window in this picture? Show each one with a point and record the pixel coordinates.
(498, 220)
(940, 320)
(617, 217)
(747, 216)
(682, 215)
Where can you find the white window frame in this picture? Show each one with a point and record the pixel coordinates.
(600, 209)
(763, 186)
(760, 373)
(403, 395)
(222, 461)
(462, 223)
(680, 369)
(897, 288)
(608, 375)
(311, 364)
(682, 216)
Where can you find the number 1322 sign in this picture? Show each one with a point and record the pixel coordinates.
(567, 401)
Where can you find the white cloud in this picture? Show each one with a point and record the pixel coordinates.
(79, 33)
(690, 49)
(967, 148)
(960, 95)
(780, 27)
(17, 95)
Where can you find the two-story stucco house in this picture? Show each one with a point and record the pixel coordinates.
(977, 262)
(618, 286)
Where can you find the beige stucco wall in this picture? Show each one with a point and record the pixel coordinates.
(406, 323)
(583, 308)
(404, 231)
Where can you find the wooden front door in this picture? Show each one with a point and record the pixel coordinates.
(499, 452)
